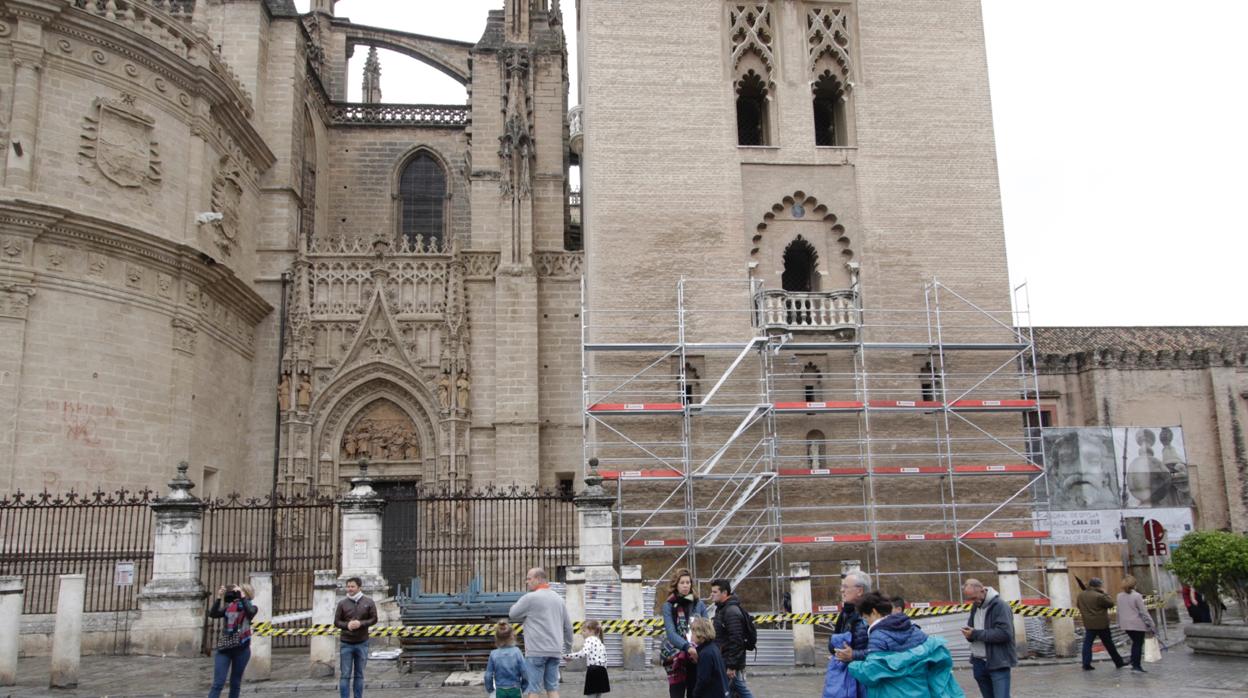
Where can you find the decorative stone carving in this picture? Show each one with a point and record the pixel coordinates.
(381, 431)
(184, 335)
(164, 285)
(15, 300)
(565, 265)
(751, 32)
(305, 392)
(12, 250)
(444, 390)
(117, 142)
(480, 265)
(97, 264)
(227, 197)
(134, 276)
(515, 150)
(827, 34)
(56, 258)
(463, 385)
(283, 392)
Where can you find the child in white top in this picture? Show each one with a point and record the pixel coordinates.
(595, 655)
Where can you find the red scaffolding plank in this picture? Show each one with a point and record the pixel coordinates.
(657, 543)
(821, 472)
(839, 406)
(842, 538)
(636, 407)
(639, 474)
(1005, 468)
(913, 536)
(993, 535)
(993, 404)
(917, 404)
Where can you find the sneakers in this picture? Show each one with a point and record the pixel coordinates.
(1139, 669)
(1089, 667)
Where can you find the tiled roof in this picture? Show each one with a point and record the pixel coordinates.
(1072, 340)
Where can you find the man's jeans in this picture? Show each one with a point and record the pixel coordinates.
(352, 656)
(739, 689)
(992, 684)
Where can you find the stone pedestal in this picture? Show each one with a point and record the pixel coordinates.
(799, 597)
(171, 605)
(596, 534)
(324, 656)
(260, 668)
(1011, 589)
(361, 535)
(632, 607)
(67, 637)
(11, 595)
(1057, 579)
(574, 599)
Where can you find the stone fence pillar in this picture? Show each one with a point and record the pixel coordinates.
(67, 635)
(361, 534)
(574, 599)
(1058, 584)
(596, 534)
(632, 607)
(799, 596)
(11, 597)
(324, 599)
(260, 668)
(1011, 589)
(171, 605)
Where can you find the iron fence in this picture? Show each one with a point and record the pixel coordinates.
(107, 537)
(291, 537)
(448, 537)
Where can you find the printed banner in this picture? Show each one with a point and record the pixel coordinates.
(1124, 467)
(1105, 525)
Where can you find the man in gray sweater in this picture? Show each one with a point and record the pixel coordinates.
(547, 632)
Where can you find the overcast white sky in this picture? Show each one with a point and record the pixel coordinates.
(1122, 139)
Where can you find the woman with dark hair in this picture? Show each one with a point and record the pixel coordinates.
(234, 645)
(679, 652)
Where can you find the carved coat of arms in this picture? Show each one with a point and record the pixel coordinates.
(227, 198)
(117, 139)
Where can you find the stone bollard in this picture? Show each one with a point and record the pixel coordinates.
(632, 608)
(11, 597)
(260, 668)
(1059, 597)
(574, 599)
(1011, 589)
(799, 596)
(324, 656)
(595, 533)
(67, 636)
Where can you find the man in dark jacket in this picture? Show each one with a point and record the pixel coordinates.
(354, 615)
(854, 588)
(1094, 605)
(730, 635)
(990, 630)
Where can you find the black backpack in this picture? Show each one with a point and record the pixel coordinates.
(750, 641)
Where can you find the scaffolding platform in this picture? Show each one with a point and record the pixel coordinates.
(741, 429)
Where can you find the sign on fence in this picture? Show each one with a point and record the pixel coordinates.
(123, 574)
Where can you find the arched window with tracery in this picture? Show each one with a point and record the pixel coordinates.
(422, 199)
(753, 63)
(829, 100)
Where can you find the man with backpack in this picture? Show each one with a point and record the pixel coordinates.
(734, 633)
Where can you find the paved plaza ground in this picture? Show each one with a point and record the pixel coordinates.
(1181, 673)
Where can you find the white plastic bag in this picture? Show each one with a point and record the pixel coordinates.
(1152, 650)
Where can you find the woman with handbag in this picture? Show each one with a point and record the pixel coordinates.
(234, 646)
(678, 652)
(1133, 618)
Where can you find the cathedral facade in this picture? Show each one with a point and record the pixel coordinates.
(211, 255)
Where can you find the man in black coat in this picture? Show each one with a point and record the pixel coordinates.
(730, 635)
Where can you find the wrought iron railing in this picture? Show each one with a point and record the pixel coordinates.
(107, 537)
(359, 114)
(828, 311)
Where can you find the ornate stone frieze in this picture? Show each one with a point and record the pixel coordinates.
(117, 143)
(559, 265)
(480, 265)
(1136, 360)
(13, 250)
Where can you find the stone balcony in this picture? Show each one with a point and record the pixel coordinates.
(835, 312)
(576, 129)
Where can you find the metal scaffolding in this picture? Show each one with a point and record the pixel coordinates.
(744, 425)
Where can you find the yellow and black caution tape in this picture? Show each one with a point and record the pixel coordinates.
(647, 627)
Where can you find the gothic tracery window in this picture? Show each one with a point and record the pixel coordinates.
(422, 199)
(829, 103)
(752, 110)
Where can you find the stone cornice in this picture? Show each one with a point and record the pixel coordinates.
(177, 259)
(1136, 360)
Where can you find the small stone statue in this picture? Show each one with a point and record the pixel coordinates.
(283, 392)
(462, 386)
(305, 391)
(444, 390)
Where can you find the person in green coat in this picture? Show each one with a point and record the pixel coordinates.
(919, 666)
